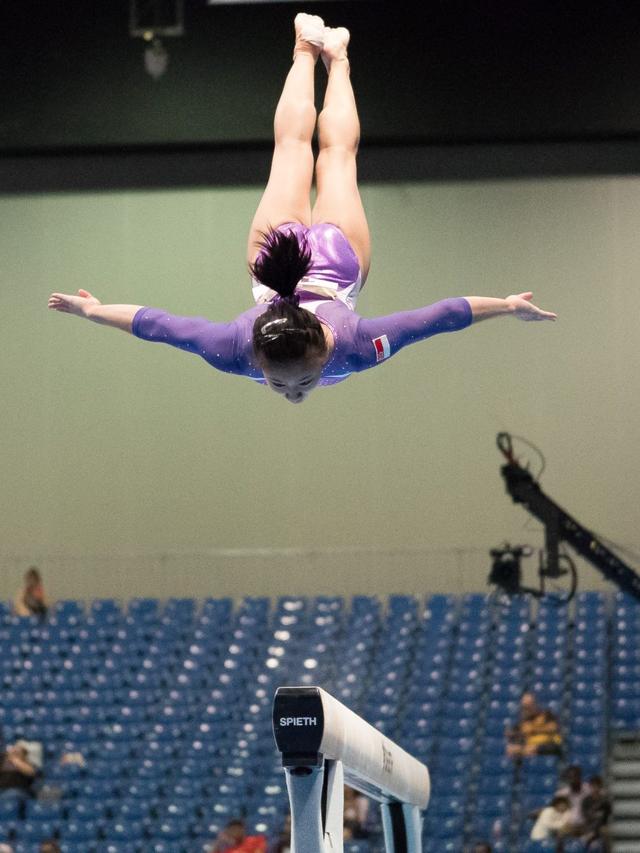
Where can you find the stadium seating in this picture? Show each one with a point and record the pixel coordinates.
(169, 705)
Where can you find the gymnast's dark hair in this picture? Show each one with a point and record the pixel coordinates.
(284, 332)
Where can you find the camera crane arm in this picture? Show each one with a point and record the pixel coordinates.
(560, 526)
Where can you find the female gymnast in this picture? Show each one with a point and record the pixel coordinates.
(307, 264)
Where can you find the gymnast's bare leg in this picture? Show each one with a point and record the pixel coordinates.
(338, 200)
(286, 197)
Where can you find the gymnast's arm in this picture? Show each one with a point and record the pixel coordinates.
(222, 345)
(380, 337)
(518, 305)
(84, 304)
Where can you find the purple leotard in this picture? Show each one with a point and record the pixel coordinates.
(329, 291)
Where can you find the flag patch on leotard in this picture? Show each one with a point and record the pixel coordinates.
(383, 350)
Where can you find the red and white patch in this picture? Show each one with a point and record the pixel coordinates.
(383, 350)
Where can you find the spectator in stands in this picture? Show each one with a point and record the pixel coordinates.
(282, 844)
(536, 732)
(553, 821)
(356, 811)
(481, 847)
(234, 839)
(575, 790)
(31, 600)
(16, 770)
(596, 810)
(6, 848)
(50, 846)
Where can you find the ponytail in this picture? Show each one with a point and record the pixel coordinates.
(282, 261)
(284, 332)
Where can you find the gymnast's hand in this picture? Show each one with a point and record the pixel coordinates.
(524, 309)
(80, 304)
(83, 304)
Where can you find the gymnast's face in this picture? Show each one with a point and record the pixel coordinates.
(294, 380)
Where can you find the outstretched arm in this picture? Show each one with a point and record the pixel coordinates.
(518, 305)
(381, 337)
(83, 304)
(225, 346)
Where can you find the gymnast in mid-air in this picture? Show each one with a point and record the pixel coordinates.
(307, 264)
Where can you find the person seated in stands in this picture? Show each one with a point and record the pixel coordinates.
(282, 844)
(234, 839)
(596, 811)
(481, 847)
(17, 771)
(536, 733)
(554, 821)
(49, 846)
(31, 600)
(575, 790)
(356, 811)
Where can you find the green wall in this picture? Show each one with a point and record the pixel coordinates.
(115, 450)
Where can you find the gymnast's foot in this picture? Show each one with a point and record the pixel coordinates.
(310, 31)
(336, 41)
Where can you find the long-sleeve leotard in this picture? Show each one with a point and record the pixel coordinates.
(360, 343)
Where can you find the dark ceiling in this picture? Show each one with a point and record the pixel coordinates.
(443, 84)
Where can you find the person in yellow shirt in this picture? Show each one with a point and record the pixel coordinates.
(536, 733)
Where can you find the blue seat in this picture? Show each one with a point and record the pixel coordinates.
(449, 786)
(590, 762)
(444, 845)
(170, 829)
(625, 713)
(126, 831)
(583, 706)
(498, 785)
(452, 764)
(540, 783)
(591, 640)
(144, 789)
(11, 802)
(539, 847)
(496, 765)
(160, 845)
(447, 827)
(484, 825)
(446, 805)
(625, 671)
(79, 847)
(462, 727)
(79, 832)
(627, 689)
(43, 810)
(539, 765)
(67, 607)
(594, 743)
(493, 805)
(453, 746)
(587, 726)
(134, 810)
(505, 692)
(33, 831)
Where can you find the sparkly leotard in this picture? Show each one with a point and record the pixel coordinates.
(329, 291)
